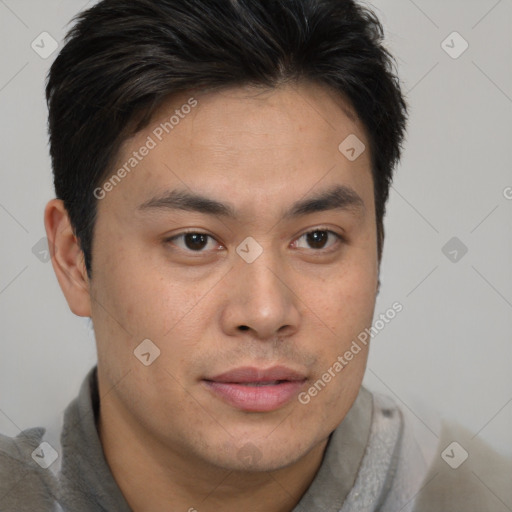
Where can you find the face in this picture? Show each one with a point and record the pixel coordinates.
(249, 294)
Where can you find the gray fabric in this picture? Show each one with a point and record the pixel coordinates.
(342, 459)
(24, 485)
(483, 482)
(393, 467)
(86, 481)
(376, 475)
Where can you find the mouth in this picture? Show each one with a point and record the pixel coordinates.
(256, 390)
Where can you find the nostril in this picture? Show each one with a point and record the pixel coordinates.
(243, 328)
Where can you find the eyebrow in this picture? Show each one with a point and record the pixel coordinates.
(339, 197)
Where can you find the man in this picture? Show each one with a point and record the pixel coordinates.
(221, 171)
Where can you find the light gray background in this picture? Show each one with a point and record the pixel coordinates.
(446, 356)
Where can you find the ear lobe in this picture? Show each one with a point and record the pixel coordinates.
(67, 258)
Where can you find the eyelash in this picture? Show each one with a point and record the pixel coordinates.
(339, 239)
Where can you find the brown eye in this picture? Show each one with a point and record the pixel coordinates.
(191, 241)
(318, 239)
(195, 241)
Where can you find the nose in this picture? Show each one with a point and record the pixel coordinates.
(260, 299)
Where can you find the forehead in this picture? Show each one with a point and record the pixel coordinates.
(257, 114)
(266, 141)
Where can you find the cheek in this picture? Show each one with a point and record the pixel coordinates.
(129, 285)
(344, 303)
(347, 307)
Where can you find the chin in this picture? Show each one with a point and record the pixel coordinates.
(262, 455)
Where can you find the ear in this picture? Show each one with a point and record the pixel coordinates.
(67, 258)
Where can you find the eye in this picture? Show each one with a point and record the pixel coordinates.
(191, 241)
(318, 238)
(194, 241)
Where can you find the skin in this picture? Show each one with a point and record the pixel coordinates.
(301, 304)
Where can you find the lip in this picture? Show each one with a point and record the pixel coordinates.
(253, 374)
(256, 389)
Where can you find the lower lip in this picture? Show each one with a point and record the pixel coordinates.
(256, 398)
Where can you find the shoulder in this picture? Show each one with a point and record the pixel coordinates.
(466, 474)
(392, 468)
(26, 484)
(455, 470)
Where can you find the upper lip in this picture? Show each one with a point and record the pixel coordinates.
(252, 374)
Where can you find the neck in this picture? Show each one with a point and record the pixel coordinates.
(152, 475)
